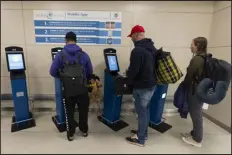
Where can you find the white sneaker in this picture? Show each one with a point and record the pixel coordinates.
(190, 141)
(186, 135)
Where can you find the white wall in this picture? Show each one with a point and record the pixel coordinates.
(170, 24)
(220, 47)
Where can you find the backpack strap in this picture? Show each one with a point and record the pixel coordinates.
(79, 57)
(204, 57)
(64, 57)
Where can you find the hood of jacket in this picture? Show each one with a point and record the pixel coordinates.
(72, 49)
(146, 43)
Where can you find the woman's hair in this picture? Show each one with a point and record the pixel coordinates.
(201, 44)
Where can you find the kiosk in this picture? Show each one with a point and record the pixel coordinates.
(157, 108)
(22, 118)
(59, 119)
(112, 92)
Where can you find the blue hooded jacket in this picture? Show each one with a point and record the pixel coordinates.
(72, 51)
(180, 100)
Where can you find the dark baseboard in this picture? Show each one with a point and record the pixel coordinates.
(32, 97)
(52, 97)
(6, 96)
(215, 121)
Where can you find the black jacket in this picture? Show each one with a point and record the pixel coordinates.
(142, 65)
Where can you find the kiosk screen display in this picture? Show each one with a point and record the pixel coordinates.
(113, 64)
(15, 61)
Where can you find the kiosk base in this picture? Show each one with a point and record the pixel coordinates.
(116, 126)
(161, 127)
(21, 125)
(60, 126)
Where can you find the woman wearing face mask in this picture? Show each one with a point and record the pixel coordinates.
(192, 79)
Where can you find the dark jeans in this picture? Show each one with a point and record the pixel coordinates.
(195, 110)
(82, 102)
(142, 105)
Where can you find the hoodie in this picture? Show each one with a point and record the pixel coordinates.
(141, 71)
(72, 51)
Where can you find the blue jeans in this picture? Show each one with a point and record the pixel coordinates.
(142, 106)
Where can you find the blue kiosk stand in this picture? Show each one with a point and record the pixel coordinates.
(59, 118)
(22, 118)
(112, 99)
(157, 108)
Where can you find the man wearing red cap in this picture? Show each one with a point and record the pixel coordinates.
(141, 74)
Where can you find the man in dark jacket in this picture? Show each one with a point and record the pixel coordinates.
(72, 51)
(141, 75)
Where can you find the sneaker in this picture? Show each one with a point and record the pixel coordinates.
(186, 135)
(84, 134)
(134, 140)
(134, 132)
(190, 141)
(70, 138)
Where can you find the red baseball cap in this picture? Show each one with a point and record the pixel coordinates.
(136, 29)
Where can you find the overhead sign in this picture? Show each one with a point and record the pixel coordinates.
(91, 27)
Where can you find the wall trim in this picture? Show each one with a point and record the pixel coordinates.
(217, 122)
(226, 7)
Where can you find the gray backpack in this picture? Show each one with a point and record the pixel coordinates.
(72, 76)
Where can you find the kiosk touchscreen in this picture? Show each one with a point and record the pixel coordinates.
(54, 51)
(113, 65)
(15, 61)
(111, 61)
(22, 118)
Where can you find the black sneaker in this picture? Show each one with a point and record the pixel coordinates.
(134, 140)
(70, 138)
(134, 132)
(84, 134)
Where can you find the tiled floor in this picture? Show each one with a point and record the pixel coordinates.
(44, 138)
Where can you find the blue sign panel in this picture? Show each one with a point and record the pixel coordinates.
(91, 27)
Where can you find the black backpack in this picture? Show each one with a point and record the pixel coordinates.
(72, 76)
(216, 69)
(215, 80)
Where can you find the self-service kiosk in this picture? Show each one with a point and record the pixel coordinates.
(22, 118)
(157, 108)
(59, 118)
(112, 97)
